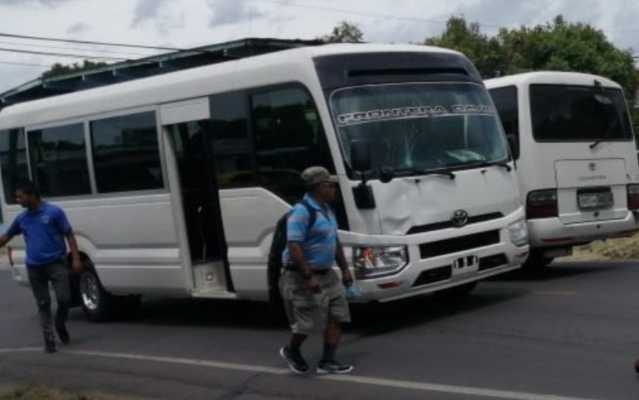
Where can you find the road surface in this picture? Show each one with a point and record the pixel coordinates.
(568, 334)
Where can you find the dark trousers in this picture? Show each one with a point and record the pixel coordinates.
(39, 278)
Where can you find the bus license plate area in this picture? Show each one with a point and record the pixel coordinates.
(595, 200)
(469, 263)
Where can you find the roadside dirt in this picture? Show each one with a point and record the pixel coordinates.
(617, 249)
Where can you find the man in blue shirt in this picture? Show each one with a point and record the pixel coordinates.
(313, 294)
(45, 228)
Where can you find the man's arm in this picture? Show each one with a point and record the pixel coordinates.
(340, 257)
(4, 239)
(14, 230)
(65, 226)
(347, 278)
(76, 262)
(296, 252)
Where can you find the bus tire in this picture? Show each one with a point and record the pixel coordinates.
(74, 286)
(536, 261)
(97, 304)
(457, 292)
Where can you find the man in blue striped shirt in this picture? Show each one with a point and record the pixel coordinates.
(312, 292)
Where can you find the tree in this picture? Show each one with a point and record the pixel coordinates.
(563, 46)
(61, 69)
(485, 52)
(344, 32)
(558, 45)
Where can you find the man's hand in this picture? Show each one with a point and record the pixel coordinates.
(313, 284)
(347, 277)
(76, 264)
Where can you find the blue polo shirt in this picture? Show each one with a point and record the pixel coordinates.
(320, 242)
(43, 231)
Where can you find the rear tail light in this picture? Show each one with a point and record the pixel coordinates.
(10, 255)
(542, 204)
(633, 197)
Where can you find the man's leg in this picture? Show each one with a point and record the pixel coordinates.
(59, 275)
(338, 312)
(39, 281)
(332, 337)
(299, 315)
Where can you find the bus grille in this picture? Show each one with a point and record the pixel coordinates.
(496, 261)
(459, 244)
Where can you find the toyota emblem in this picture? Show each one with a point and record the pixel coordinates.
(459, 218)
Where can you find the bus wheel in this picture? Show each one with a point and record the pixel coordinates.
(537, 261)
(457, 292)
(97, 304)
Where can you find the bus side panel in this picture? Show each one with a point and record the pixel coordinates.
(130, 240)
(249, 218)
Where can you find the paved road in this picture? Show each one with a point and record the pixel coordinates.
(569, 334)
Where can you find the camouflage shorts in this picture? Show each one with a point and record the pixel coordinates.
(308, 312)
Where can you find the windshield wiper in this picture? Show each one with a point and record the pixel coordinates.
(442, 172)
(502, 164)
(485, 164)
(606, 135)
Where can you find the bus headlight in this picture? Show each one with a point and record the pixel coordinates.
(518, 232)
(373, 262)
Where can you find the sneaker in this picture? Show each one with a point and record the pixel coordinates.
(333, 367)
(50, 346)
(295, 362)
(63, 334)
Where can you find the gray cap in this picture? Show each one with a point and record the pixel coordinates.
(316, 175)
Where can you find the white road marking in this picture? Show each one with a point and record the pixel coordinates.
(553, 293)
(361, 380)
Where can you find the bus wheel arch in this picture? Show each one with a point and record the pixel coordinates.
(96, 303)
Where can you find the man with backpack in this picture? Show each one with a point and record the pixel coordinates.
(313, 295)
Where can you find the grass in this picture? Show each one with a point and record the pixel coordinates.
(615, 249)
(38, 392)
(41, 393)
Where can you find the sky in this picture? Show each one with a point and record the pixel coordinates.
(189, 23)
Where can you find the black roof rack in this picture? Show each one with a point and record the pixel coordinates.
(148, 66)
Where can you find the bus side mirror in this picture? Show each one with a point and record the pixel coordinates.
(361, 155)
(513, 143)
(361, 163)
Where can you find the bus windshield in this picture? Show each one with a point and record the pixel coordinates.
(569, 113)
(419, 127)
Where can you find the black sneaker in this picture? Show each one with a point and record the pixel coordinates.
(50, 346)
(295, 361)
(63, 334)
(333, 367)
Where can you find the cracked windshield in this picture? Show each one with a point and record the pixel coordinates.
(420, 127)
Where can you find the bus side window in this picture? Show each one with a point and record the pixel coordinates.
(13, 157)
(59, 160)
(231, 143)
(126, 153)
(507, 105)
(288, 139)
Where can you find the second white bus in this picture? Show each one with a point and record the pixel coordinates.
(576, 158)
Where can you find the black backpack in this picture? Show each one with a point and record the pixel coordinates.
(277, 248)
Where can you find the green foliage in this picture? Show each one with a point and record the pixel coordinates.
(485, 52)
(61, 69)
(558, 45)
(344, 32)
